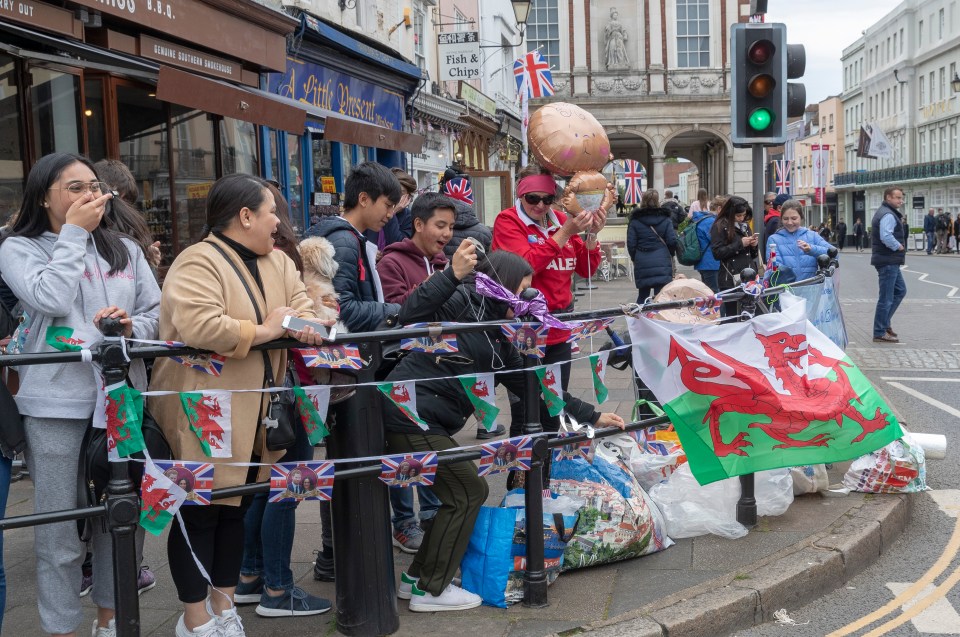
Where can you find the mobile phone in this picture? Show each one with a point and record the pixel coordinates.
(295, 324)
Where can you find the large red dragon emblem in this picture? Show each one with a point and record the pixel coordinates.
(207, 410)
(155, 498)
(399, 394)
(803, 400)
(480, 389)
(117, 419)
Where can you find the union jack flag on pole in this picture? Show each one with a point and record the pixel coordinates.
(781, 172)
(535, 71)
(635, 177)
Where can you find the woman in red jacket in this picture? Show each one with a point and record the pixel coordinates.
(550, 241)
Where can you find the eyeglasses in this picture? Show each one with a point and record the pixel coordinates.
(769, 202)
(533, 200)
(79, 188)
(273, 182)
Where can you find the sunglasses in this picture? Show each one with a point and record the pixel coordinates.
(533, 200)
(768, 201)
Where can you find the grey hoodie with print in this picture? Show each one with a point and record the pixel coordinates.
(61, 281)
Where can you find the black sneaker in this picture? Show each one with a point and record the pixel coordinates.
(496, 432)
(323, 568)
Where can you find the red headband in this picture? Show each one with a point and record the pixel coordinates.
(536, 183)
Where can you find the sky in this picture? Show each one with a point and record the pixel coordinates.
(825, 28)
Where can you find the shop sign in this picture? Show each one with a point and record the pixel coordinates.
(472, 96)
(338, 92)
(459, 53)
(187, 58)
(328, 184)
(199, 191)
(191, 20)
(38, 14)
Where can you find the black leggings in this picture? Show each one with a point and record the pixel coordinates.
(216, 535)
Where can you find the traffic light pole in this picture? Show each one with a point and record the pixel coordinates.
(758, 194)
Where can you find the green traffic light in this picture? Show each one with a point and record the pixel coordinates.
(760, 119)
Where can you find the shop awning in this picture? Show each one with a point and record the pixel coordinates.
(349, 130)
(221, 98)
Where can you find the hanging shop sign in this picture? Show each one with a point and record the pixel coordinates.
(38, 14)
(338, 92)
(459, 53)
(188, 58)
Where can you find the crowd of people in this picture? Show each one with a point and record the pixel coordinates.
(77, 251)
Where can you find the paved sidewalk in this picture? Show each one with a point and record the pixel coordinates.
(700, 586)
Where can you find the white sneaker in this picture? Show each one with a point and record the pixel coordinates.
(230, 624)
(452, 598)
(405, 589)
(210, 629)
(109, 631)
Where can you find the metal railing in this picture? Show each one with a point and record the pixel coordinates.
(365, 582)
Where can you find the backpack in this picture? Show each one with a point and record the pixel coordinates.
(689, 251)
(943, 223)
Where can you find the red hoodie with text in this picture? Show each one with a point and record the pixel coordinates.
(553, 266)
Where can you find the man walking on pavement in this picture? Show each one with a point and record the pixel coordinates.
(888, 243)
(943, 232)
(929, 229)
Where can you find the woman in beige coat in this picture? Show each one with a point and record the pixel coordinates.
(204, 304)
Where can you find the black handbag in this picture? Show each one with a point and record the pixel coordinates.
(279, 420)
(95, 465)
(13, 439)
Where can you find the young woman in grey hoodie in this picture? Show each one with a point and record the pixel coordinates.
(69, 271)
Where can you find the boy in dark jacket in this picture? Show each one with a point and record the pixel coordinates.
(370, 198)
(408, 263)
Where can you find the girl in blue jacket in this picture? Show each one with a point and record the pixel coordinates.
(796, 247)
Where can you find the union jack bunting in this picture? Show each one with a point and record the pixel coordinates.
(443, 344)
(196, 478)
(332, 356)
(573, 450)
(305, 480)
(589, 328)
(207, 363)
(634, 178)
(408, 470)
(529, 338)
(532, 68)
(781, 169)
(512, 454)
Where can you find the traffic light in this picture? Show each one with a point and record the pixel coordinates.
(761, 98)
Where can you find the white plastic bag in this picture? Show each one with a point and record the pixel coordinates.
(652, 468)
(690, 509)
(899, 467)
(773, 490)
(809, 478)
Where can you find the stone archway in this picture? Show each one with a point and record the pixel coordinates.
(709, 150)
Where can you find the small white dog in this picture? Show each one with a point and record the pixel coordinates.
(319, 267)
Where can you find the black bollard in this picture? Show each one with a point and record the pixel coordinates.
(363, 549)
(535, 575)
(122, 499)
(747, 504)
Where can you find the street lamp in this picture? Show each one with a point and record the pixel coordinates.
(521, 9)
(955, 83)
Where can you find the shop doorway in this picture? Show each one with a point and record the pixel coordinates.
(492, 192)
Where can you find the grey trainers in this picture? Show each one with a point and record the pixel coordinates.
(295, 602)
(408, 538)
(248, 592)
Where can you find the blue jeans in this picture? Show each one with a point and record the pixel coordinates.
(269, 528)
(711, 279)
(401, 499)
(892, 290)
(931, 241)
(4, 490)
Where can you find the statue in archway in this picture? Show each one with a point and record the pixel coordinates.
(615, 47)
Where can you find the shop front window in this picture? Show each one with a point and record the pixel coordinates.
(94, 119)
(346, 158)
(194, 171)
(11, 152)
(295, 161)
(55, 98)
(238, 145)
(142, 125)
(325, 199)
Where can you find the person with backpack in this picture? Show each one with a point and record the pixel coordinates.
(672, 206)
(651, 243)
(942, 230)
(707, 265)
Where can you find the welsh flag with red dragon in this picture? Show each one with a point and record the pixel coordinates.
(767, 393)
(160, 499)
